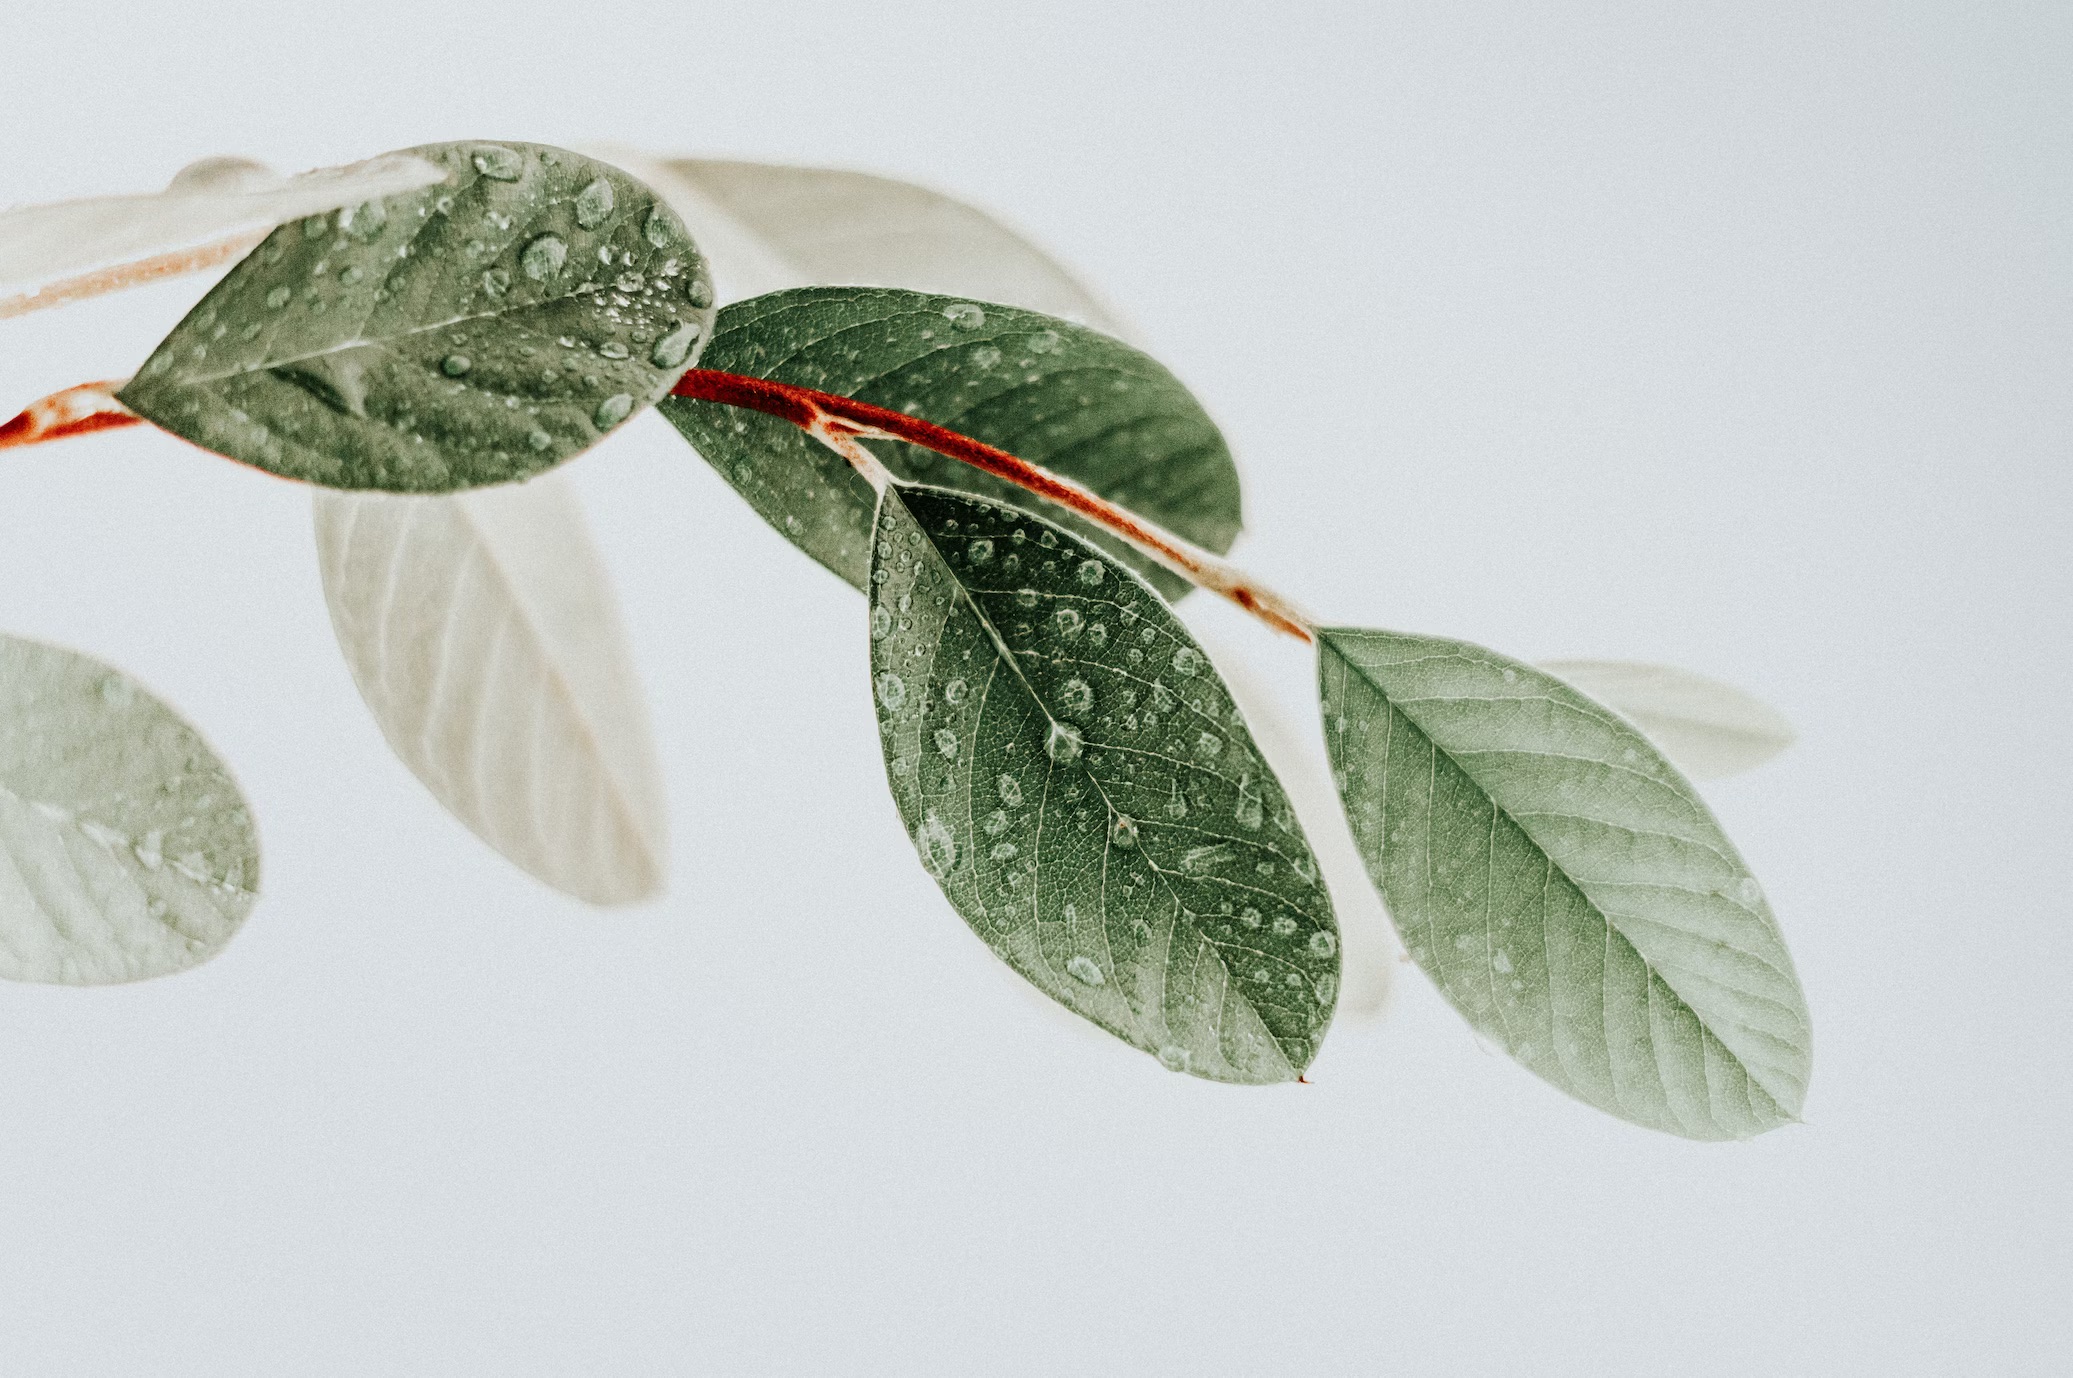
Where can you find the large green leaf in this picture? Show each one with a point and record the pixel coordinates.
(1075, 776)
(1058, 394)
(472, 332)
(126, 850)
(1564, 885)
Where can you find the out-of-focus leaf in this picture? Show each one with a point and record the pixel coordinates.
(1708, 728)
(483, 633)
(126, 850)
(213, 211)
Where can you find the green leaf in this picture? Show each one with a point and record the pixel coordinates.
(1709, 729)
(472, 332)
(1075, 776)
(1564, 885)
(126, 850)
(1057, 394)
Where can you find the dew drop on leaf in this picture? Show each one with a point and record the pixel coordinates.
(542, 259)
(672, 349)
(892, 691)
(1123, 832)
(1010, 791)
(594, 204)
(454, 365)
(613, 410)
(502, 164)
(1063, 743)
(937, 847)
(965, 315)
(1085, 970)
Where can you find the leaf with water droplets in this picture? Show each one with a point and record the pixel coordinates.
(1564, 886)
(126, 850)
(472, 332)
(486, 640)
(1057, 394)
(1711, 730)
(1089, 798)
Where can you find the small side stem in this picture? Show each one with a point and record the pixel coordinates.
(838, 421)
(75, 411)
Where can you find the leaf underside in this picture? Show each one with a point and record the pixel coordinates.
(484, 635)
(1564, 886)
(1711, 730)
(472, 332)
(126, 850)
(1054, 393)
(1075, 776)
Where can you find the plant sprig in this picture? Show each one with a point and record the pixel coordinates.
(1069, 764)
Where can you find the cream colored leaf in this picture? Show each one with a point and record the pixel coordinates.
(214, 211)
(484, 635)
(1707, 728)
(767, 228)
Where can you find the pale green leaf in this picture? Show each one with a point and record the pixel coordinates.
(1057, 394)
(473, 332)
(70, 250)
(1711, 730)
(484, 635)
(1564, 886)
(126, 850)
(1075, 776)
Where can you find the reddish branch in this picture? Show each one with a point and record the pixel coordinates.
(831, 418)
(839, 422)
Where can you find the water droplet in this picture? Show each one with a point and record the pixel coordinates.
(1208, 744)
(1187, 662)
(629, 282)
(1283, 925)
(1123, 832)
(1070, 621)
(1249, 813)
(1077, 697)
(1025, 598)
(660, 233)
(1045, 342)
(979, 551)
(1323, 944)
(612, 349)
(1501, 962)
(1327, 988)
(1063, 742)
(454, 365)
(954, 692)
(593, 204)
(1174, 1058)
(699, 293)
(278, 298)
(1511, 676)
(1003, 851)
(965, 315)
(986, 356)
(996, 823)
(892, 691)
(1010, 791)
(613, 410)
(1085, 970)
(539, 440)
(1092, 572)
(503, 164)
(881, 623)
(946, 743)
(674, 348)
(1177, 803)
(542, 259)
(496, 282)
(937, 847)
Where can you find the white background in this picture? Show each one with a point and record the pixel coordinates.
(1733, 335)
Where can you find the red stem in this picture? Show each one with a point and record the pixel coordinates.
(823, 414)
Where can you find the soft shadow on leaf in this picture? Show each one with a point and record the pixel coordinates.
(215, 209)
(469, 333)
(1071, 399)
(484, 635)
(126, 850)
(1075, 776)
(1711, 730)
(1564, 886)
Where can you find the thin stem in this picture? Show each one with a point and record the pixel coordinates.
(75, 411)
(830, 418)
(135, 273)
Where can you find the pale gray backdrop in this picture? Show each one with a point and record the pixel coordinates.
(1735, 335)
